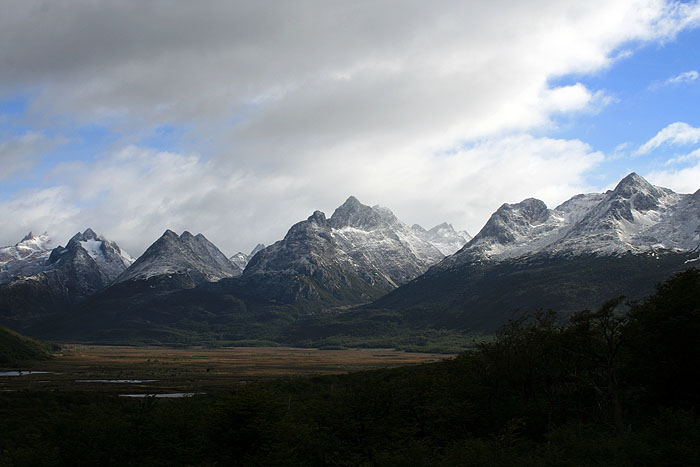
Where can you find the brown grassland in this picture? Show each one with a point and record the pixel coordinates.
(196, 369)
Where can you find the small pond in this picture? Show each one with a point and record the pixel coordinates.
(131, 381)
(173, 395)
(24, 373)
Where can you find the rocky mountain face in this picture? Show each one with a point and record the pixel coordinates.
(635, 217)
(191, 258)
(527, 257)
(591, 248)
(90, 257)
(25, 258)
(359, 253)
(86, 258)
(55, 279)
(156, 295)
(241, 260)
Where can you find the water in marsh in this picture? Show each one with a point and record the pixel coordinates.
(24, 373)
(164, 396)
(131, 381)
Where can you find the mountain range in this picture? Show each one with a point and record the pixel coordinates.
(36, 280)
(351, 272)
(356, 255)
(635, 217)
(527, 257)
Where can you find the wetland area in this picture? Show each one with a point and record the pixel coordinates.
(161, 370)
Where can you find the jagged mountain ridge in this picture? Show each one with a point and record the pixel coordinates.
(527, 257)
(61, 277)
(356, 255)
(359, 253)
(25, 258)
(35, 254)
(88, 248)
(186, 255)
(635, 217)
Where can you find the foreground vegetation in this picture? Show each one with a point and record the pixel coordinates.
(615, 386)
(16, 349)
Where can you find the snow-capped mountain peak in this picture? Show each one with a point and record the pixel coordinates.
(358, 249)
(191, 256)
(86, 265)
(352, 213)
(33, 244)
(26, 257)
(110, 260)
(443, 237)
(635, 217)
(240, 259)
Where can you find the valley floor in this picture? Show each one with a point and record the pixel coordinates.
(163, 370)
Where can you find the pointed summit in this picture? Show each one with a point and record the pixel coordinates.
(443, 237)
(352, 202)
(170, 234)
(444, 226)
(78, 238)
(635, 193)
(241, 260)
(632, 178)
(634, 183)
(349, 211)
(514, 222)
(317, 217)
(24, 258)
(361, 252)
(89, 234)
(194, 258)
(258, 247)
(352, 213)
(532, 209)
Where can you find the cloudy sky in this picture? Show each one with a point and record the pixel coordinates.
(237, 119)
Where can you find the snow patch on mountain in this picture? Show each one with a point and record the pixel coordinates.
(188, 255)
(93, 248)
(25, 258)
(86, 265)
(443, 237)
(88, 247)
(635, 217)
(240, 259)
(357, 241)
(375, 239)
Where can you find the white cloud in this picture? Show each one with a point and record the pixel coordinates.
(682, 78)
(293, 107)
(140, 63)
(684, 180)
(686, 77)
(38, 210)
(678, 133)
(19, 153)
(135, 194)
(695, 155)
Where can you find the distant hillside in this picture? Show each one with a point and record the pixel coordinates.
(16, 348)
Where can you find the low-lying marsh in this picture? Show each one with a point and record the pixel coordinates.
(186, 370)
